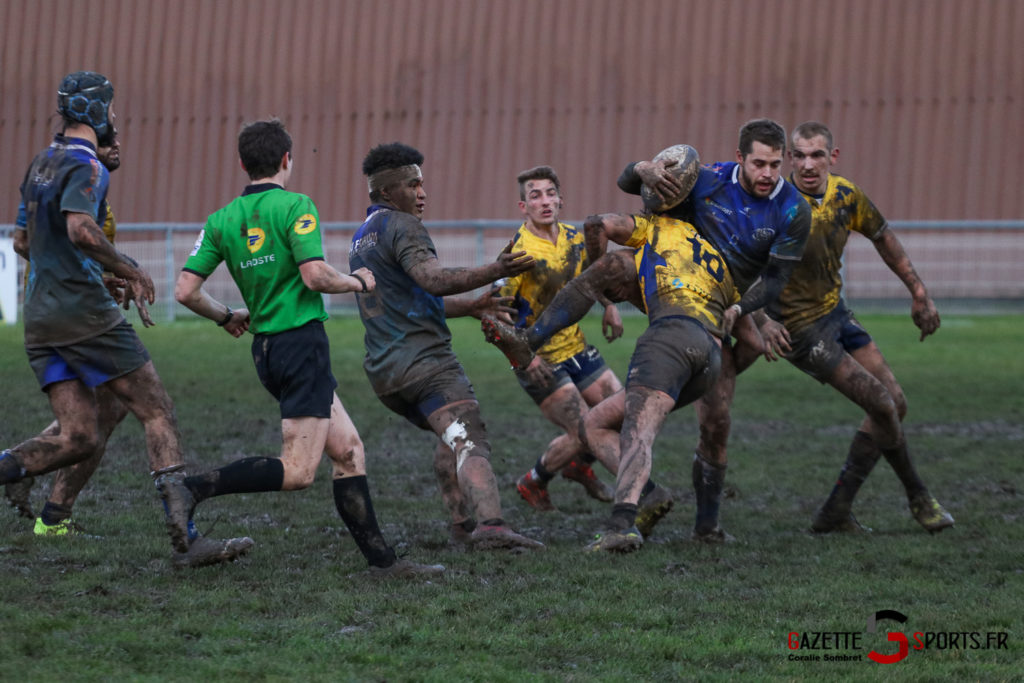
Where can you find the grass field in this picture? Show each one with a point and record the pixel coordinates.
(300, 607)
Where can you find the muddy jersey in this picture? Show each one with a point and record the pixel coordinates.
(746, 230)
(263, 236)
(815, 287)
(65, 299)
(407, 337)
(680, 272)
(534, 289)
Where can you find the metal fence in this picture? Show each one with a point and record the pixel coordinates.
(966, 264)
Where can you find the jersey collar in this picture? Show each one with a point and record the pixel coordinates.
(778, 185)
(260, 187)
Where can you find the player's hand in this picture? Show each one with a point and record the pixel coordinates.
(538, 372)
(925, 316)
(367, 277)
(239, 323)
(514, 262)
(729, 318)
(611, 323)
(655, 175)
(777, 342)
(115, 285)
(138, 287)
(492, 304)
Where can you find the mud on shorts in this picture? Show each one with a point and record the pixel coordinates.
(419, 399)
(295, 367)
(818, 348)
(676, 355)
(583, 369)
(93, 361)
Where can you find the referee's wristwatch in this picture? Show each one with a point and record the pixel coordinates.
(227, 317)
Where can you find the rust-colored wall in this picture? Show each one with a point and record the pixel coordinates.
(924, 95)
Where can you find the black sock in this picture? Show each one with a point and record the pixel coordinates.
(54, 514)
(248, 475)
(859, 462)
(10, 469)
(648, 487)
(588, 457)
(497, 521)
(900, 461)
(708, 482)
(543, 475)
(623, 516)
(352, 498)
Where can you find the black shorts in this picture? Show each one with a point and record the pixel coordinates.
(818, 348)
(676, 355)
(583, 369)
(295, 367)
(420, 399)
(94, 361)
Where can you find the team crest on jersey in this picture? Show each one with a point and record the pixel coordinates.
(306, 224)
(256, 237)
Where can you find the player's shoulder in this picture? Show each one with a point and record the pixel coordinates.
(844, 187)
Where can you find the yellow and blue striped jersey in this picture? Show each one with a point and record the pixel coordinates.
(680, 272)
(816, 284)
(534, 289)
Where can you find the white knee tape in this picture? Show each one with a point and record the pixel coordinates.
(457, 431)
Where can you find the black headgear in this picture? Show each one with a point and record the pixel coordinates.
(85, 96)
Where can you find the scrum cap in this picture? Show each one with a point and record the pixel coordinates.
(85, 96)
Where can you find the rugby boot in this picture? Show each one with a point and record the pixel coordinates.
(826, 522)
(581, 472)
(509, 340)
(651, 508)
(460, 535)
(616, 541)
(18, 495)
(929, 513)
(406, 569)
(534, 492)
(205, 551)
(495, 537)
(179, 504)
(716, 536)
(65, 527)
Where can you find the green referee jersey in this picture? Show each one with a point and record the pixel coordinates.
(263, 236)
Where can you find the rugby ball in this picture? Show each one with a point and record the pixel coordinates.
(685, 169)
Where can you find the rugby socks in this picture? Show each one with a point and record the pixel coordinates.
(648, 487)
(541, 473)
(248, 475)
(859, 462)
(899, 458)
(54, 514)
(708, 482)
(623, 516)
(588, 457)
(10, 469)
(352, 498)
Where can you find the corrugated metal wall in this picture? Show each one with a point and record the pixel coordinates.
(925, 96)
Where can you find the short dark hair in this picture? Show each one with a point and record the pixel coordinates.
(765, 131)
(810, 129)
(390, 155)
(261, 146)
(537, 173)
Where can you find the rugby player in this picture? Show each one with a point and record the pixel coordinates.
(409, 358)
(75, 335)
(270, 241)
(828, 343)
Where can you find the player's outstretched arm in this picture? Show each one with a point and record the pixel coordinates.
(440, 281)
(922, 308)
(490, 303)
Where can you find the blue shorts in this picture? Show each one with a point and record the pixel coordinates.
(678, 356)
(583, 369)
(295, 367)
(421, 399)
(94, 361)
(818, 348)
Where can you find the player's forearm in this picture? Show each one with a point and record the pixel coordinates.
(189, 293)
(324, 278)
(767, 287)
(21, 243)
(89, 238)
(594, 238)
(629, 180)
(895, 257)
(445, 281)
